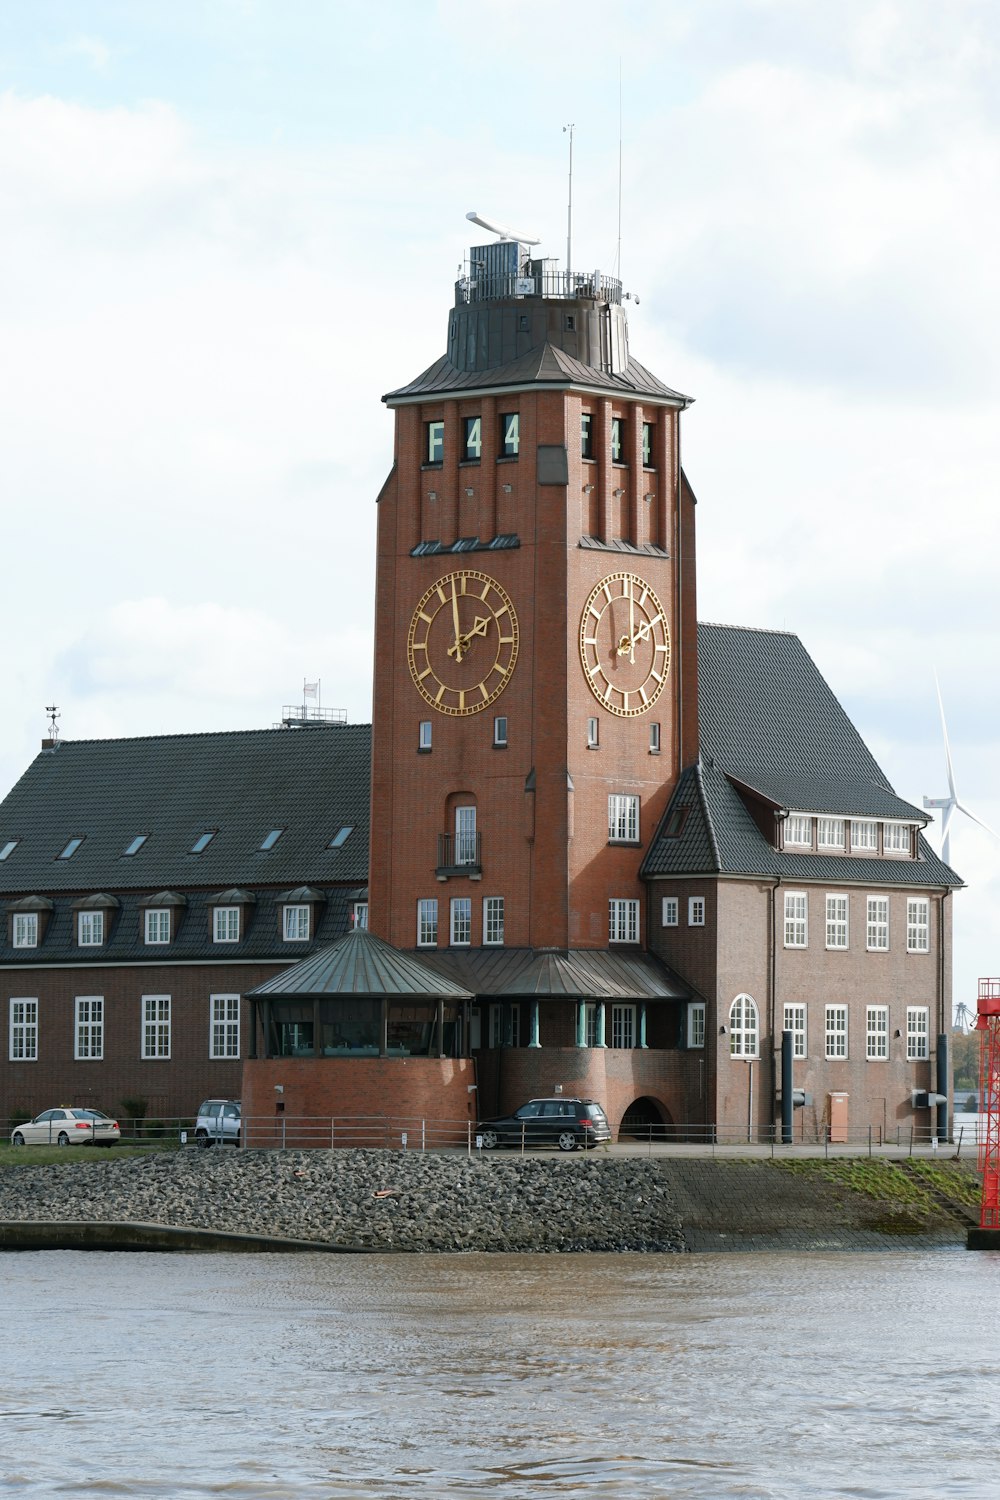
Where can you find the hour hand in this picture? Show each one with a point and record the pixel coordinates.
(463, 641)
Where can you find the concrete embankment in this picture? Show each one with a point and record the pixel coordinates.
(359, 1201)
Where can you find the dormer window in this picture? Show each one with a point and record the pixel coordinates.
(864, 834)
(798, 830)
(158, 925)
(226, 924)
(897, 838)
(272, 838)
(203, 840)
(90, 929)
(135, 845)
(831, 833)
(24, 929)
(8, 849)
(296, 924)
(71, 847)
(229, 914)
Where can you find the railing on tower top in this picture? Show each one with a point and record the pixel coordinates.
(480, 287)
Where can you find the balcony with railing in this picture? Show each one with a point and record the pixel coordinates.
(459, 854)
(538, 279)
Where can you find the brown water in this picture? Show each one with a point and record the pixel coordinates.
(320, 1378)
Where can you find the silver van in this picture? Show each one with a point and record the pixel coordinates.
(218, 1123)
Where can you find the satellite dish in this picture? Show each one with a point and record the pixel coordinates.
(501, 230)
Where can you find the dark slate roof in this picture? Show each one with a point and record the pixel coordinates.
(577, 973)
(770, 724)
(363, 964)
(311, 782)
(543, 365)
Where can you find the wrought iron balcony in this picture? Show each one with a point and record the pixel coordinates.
(459, 854)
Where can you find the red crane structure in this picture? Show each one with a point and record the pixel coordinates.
(988, 1025)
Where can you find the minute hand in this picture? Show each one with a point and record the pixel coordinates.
(629, 642)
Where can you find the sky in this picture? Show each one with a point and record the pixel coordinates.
(230, 226)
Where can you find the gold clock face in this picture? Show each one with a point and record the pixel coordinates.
(625, 644)
(462, 644)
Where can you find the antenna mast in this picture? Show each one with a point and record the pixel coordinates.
(569, 211)
(618, 265)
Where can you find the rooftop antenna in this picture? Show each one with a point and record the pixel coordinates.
(54, 717)
(502, 230)
(569, 211)
(618, 257)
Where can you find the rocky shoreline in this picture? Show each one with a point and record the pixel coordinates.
(365, 1199)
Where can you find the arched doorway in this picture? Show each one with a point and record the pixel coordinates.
(646, 1120)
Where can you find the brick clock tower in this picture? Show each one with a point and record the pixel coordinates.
(535, 686)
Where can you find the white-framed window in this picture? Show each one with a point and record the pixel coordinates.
(465, 835)
(25, 929)
(593, 734)
(224, 1026)
(623, 921)
(493, 921)
(90, 928)
(617, 440)
(155, 1026)
(427, 923)
(796, 919)
(836, 920)
(836, 1032)
(623, 818)
(359, 914)
(425, 735)
(472, 446)
(830, 833)
(877, 1033)
(696, 911)
(897, 838)
(88, 1028)
(654, 738)
(157, 924)
(744, 1027)
(23, 1036)
(798, 830)
(434, 436)
(795, 1022)
(918, 924)
(510, 434)
(878, 924)
(500, 731)
(590, 1024)
(461, 921)
(864, 834)
(917, 1033)
(295, 925)
(670, 912)
(623, 1027)
(696, 1024)
(226, 924)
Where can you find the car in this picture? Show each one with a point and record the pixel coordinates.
(67, 1127)
(218, 1121)
(559, 1121)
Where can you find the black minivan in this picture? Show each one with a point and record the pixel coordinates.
(562, 1122)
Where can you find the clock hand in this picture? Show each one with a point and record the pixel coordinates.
(465, 639)
(631, 624)
(455, 650)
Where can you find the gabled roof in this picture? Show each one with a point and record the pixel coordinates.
(543, 365)
(771, 726)
(362, 964)
(242, 784)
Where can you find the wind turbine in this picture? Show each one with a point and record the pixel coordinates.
(951, 803)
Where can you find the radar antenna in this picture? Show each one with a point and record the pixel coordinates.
(502, 230)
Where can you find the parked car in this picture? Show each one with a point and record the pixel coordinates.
(562, 1122)
(67, 1127)
(218, 1121)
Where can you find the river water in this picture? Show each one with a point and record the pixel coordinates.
(322, 1377)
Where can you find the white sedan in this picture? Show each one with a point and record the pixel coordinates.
(67, 1127)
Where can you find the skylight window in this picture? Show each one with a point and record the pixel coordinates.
(272, 838)
(136, 844)
(203, 840)
(9, 848)
(340, 838)
(71, 848)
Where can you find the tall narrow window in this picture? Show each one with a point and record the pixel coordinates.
(696, 911)
(427, 923)
(877, 1033)
(461, 921)
(155, 1026)
(224, 1026)
(593, 733)
(434, 451)
(617, 440)
(654, 739)
(623, 921)
(623, 1026)
(744, 1027)
(88, 1043)
(590, 1023)
(424, 736)
(465, 835)
(696, 1024)
(623, 819)
(917, 1029)
(586, 435)
(23, 1045)
(472, 446)
(493, 920)
(836, 921)
(918, 925)
(359, 914)
(669, 915)
(647, 445)
(500, 732)
(795, 1022)
(878, 924)
(510, 434)
(836, 1032)
(796, 920)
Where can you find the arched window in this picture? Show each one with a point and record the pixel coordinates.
(744, 1028)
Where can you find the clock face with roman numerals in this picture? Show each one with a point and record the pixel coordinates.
(462, 643)
(625, 644)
